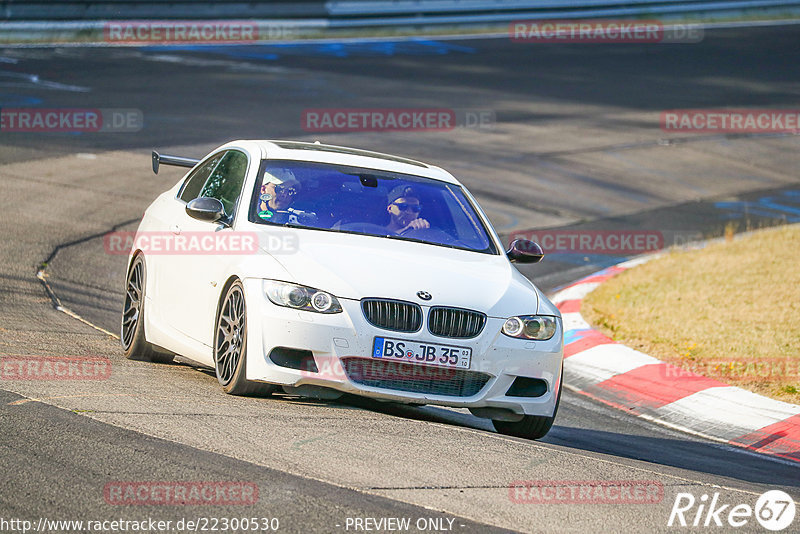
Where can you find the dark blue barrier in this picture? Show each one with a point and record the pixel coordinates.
(342, 13)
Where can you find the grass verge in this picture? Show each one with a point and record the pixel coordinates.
(730, 311)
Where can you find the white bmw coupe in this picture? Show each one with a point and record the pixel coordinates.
(327, 270)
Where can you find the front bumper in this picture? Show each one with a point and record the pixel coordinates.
(332, 338)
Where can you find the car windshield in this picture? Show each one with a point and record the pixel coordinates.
(366, 201)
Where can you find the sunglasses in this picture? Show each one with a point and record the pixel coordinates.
(405, 206)
(279, 189)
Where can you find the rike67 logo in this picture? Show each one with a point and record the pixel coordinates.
(774, 510)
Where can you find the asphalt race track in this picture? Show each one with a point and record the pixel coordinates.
(574, 142)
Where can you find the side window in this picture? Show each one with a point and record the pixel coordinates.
(194, 182)
(226, 180)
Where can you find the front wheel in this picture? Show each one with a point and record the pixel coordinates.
(531, 426)
(230, 346)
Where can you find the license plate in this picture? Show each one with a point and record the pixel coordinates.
(403, 350)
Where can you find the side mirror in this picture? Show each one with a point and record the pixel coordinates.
(205, 209)
(524, 251)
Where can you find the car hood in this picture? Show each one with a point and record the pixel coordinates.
(356, 266)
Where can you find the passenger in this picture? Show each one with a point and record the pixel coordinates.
(404, 209)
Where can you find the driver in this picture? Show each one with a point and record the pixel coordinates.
(278, 190)
(404, 209)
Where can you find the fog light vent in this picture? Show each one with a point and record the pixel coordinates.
(302, 360)
(527, 387)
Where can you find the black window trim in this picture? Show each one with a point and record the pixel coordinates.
(230, 216)
(188, 174)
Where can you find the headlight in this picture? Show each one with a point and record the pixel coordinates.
(301, 297)
(538, 327)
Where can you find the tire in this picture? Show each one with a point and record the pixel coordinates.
(531, 426)
(134, 344)
(230, 346)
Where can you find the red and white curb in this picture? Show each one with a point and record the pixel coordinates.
(616, 375)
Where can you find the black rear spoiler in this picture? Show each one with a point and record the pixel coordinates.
(172, 160)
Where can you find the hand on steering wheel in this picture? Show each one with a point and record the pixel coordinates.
(416, 224)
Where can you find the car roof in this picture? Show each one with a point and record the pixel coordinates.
(323, 153)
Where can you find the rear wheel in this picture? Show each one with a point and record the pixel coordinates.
(134, 344)
(230, 346)
(531, 426)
